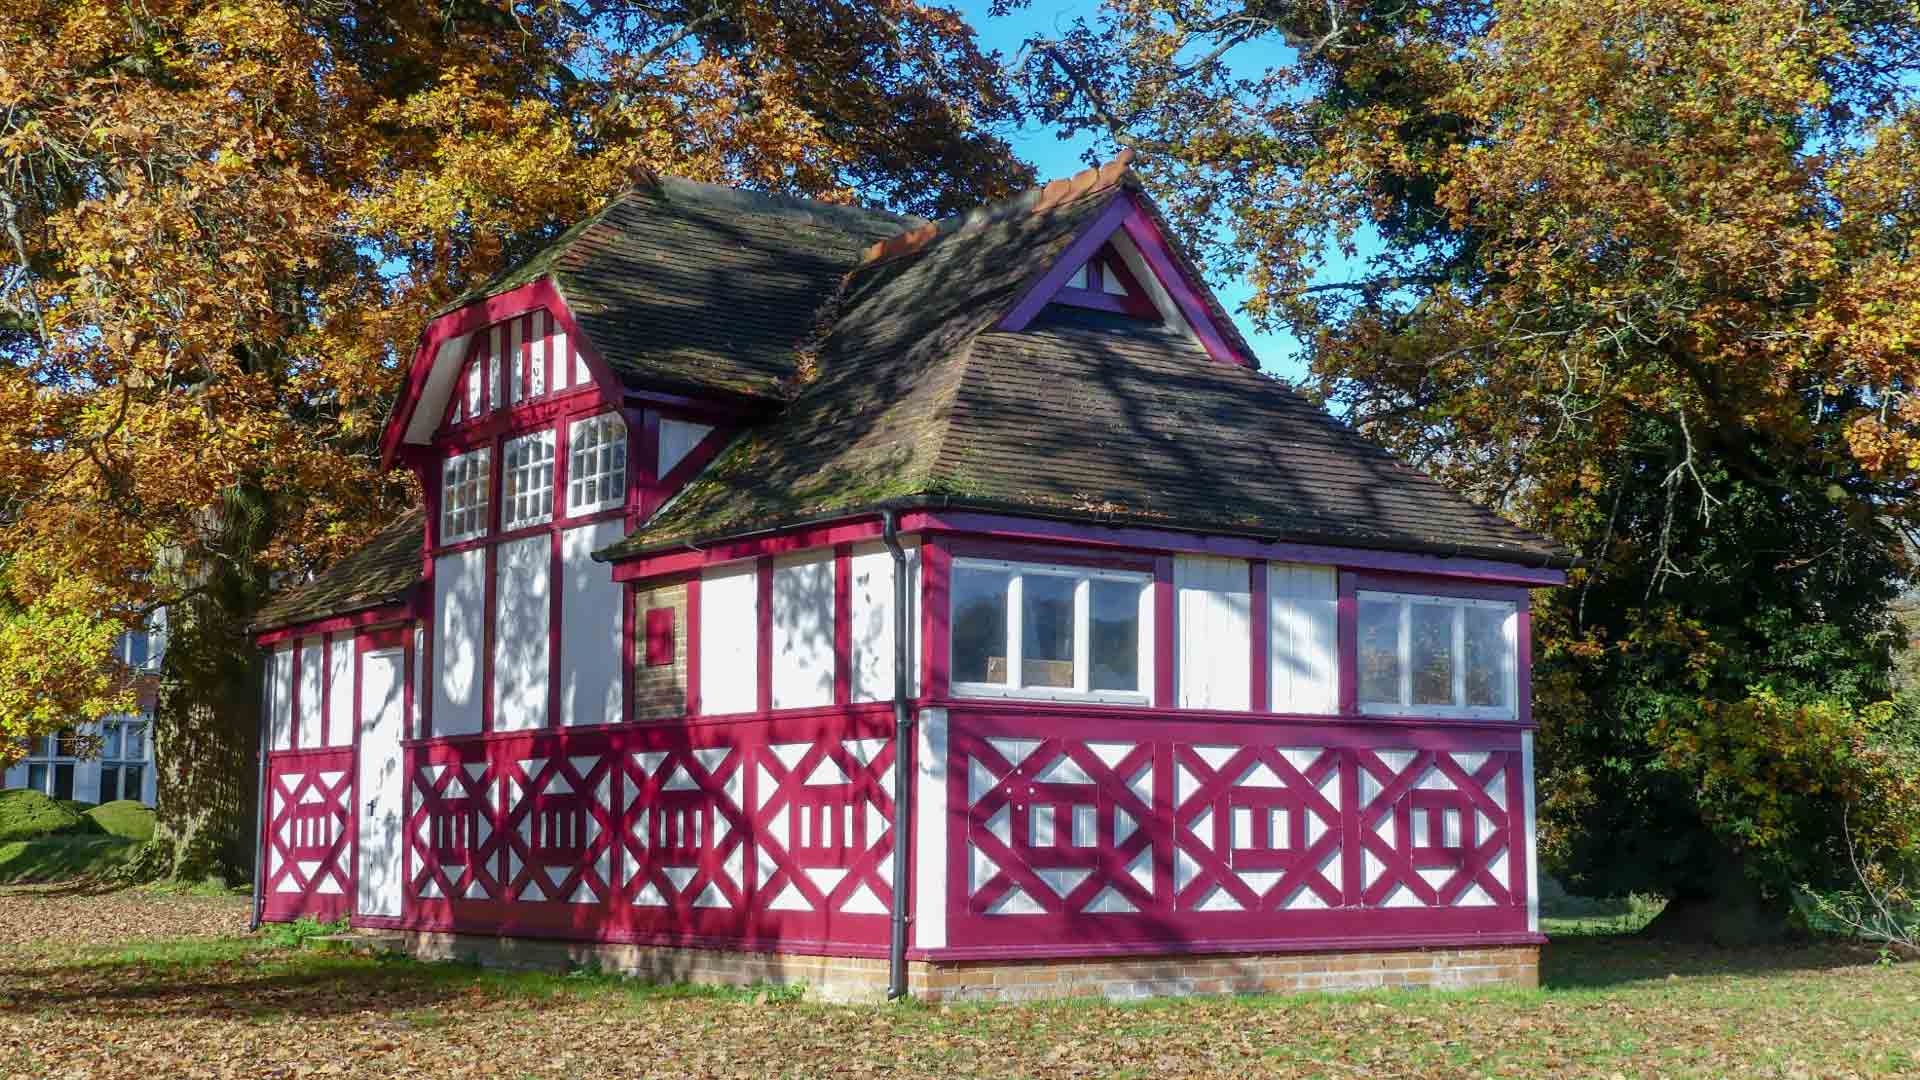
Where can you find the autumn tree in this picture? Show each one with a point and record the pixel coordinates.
(1644, 274)
(221, 225)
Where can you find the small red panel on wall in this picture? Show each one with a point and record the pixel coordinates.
(659, 636)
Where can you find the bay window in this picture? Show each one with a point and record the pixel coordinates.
(1059, 632)
(465, 496)
(596, 464)
(1437, 655)
(528, 478)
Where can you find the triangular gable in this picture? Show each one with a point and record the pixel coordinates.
(516, 361)
(1128, 238)
(450, 344)
(1105, 283)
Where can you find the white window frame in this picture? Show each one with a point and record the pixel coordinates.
(617, 497)
(1458, 604)
(1084, 577)
(462, 464)
(510, 473)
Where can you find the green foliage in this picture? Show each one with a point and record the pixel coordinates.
(125, 818)
(29, 815)
(296, 934)
(69, 857)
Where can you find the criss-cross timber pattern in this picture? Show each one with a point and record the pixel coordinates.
(451, 828)
(1434, 826)
(1054, 825)
(1258, 828)
(684, 833)
(309, 833)
(1178, 830)
(559, 825)
(824, 810)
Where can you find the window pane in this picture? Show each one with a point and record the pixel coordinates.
(1487, 657)
(133, 783)
(37, 777)
(1432, 654)
(62, 782)
(1046, 620)
(464, 496)
(979, 625)
(596, 462)
(110, 748)
(1379, 659)
(109, 784)
(1115, 636)
(529, 480)
(136, 742)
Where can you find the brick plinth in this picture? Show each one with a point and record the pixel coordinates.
(856, 979)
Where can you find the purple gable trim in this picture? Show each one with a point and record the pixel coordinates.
(1091, 238)
(1125, 213)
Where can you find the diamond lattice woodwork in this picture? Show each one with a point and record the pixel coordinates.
(1229, 834)
(309, 835)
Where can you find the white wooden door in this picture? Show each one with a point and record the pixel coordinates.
(382, 787)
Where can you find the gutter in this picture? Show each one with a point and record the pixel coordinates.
(936, 501)
(902, 777)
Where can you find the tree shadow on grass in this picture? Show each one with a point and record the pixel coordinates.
(302, 985)
(1597, 962)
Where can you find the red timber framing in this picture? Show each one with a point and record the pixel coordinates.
(308, 831)
(502, 411)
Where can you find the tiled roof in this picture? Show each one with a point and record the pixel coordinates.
(702, 288)
(380, 572)
(920, 401)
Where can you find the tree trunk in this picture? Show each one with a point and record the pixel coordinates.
(1725, 909)
(205, 735)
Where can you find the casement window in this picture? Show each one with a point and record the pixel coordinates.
(123, 759)
(596, 464)
(1437, 656)
(465, 496)
(1054, 632)
(527, 479)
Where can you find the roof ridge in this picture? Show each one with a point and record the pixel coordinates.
(1090, 181)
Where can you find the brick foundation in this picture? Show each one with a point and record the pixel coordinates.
(859, 979)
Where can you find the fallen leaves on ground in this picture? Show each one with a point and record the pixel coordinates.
(199, 1004)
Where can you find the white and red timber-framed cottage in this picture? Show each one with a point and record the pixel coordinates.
(807, 593)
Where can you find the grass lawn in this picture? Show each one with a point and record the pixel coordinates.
(139, 984)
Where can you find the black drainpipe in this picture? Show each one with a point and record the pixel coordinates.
(902, 746)
(260, 789)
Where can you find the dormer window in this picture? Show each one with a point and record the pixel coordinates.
(1104, 283)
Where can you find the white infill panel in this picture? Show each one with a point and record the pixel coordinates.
(340, 692)
(523, 613)
(312, 701)
(729, 628)
(280, 698)
(380, 784)
(1212, 631)
(678, 439)
(459, 614)
(930, 829)
(1302, 626)
(590, 628)
(871, 597)
(803, 631)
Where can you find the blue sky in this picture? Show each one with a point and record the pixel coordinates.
(1055, 157)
